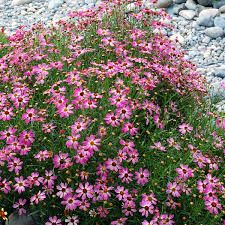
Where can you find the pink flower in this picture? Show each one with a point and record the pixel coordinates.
(63, 190)
(65, 111)
(92, 143)
(174, 189)
(185, 128)
(71, 202)
(20, 206)
(84, 191)
(129, 128)
(72, 220)
(158, 146)
(112, 119)
(121, 192)
(212, 204)
(125, 175)
(6, 114)
(40, 196)
(53, 221)
(129, 208)
(72, 141)
(120, 221)
(184, 172)
(30, 115)
(142, 176)
(146, 208)
(62, 161)
(20, 185)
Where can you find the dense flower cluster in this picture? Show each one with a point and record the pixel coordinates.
(94, 125)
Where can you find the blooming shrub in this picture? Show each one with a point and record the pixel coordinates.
(100, 124)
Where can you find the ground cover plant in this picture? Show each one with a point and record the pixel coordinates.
(103, 121)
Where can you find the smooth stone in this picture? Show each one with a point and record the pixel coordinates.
(218, 3)
(2, 1)
(205, 2)
(190, 4)
(214, 32)
(55, 4)
(206, 39)
(20, 2)
(175, 9)
(222, 9)
(219, 22)
(179, 1)
(164, 3)
(15, 219)
(217, 90)
(187, 14)
(177, 37)
(206, 17)
(220, 72)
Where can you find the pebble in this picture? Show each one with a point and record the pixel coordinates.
(164, 3)
(219, 22)
(187, 14)
(214, 32)
(20, 2)
(206, 17)
(190, 4)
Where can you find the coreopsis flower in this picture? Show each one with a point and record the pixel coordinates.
(70, 201)
(112, 119)
(91, 143)
(3, 214)
(72, 141)
(125, 175)
(40, 196)
(129, 128)
(84, 191)
(6, 114)
(121, 192)
(142, 176)
(19, 205)
(185, 128)
(20, 184)
(212, 204)
(102, 212)
(53, 221)
(184, 172)
(63, 190)
(120, 221)
(174, 189)
(129, 208)
(48, 127)
(72, 220)
(30, 115)
(65, 111)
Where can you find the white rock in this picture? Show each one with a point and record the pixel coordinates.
(177, 37)
(222, 9)
(164, 3)
(190, 4)
(206, 17)
(187, 14)
(2, 1)
(214, 32)
(219, 22)
(20, 2)
(55, 4)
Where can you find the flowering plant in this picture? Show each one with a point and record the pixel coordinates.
(99, 124)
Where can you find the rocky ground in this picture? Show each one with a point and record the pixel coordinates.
(199, 29)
